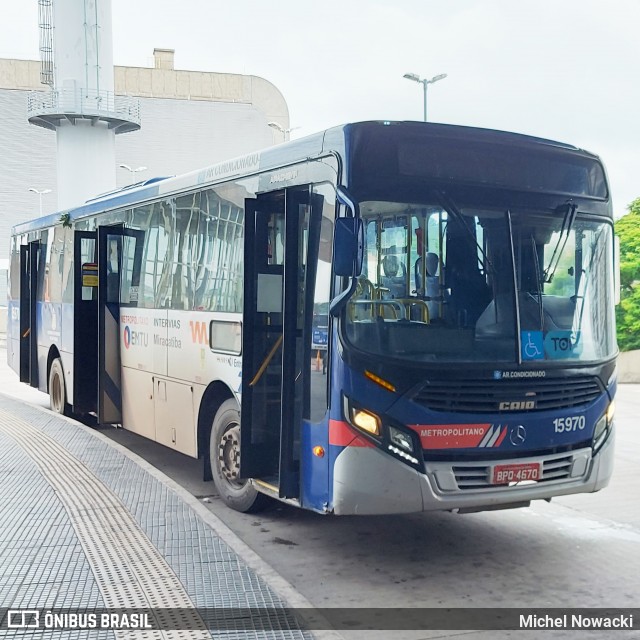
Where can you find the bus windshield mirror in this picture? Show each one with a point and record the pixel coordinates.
(348, 247)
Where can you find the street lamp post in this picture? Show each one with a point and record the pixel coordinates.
(40, 194)
(278, 127)
(132, 171)
(424, 82)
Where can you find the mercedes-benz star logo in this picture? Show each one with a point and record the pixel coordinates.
(518, 435)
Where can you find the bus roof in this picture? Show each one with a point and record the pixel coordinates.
(312, 146)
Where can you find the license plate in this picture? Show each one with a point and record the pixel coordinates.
(506, 473)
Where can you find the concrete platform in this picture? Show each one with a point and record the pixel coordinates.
(87, 525)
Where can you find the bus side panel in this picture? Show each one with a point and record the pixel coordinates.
(137, 402)
(369, 482)
(143, 357)
(174, 415)
(363, 479)
(13, 335)
(143, 339)
(66, 348)
(66, 341)
(163, 357)
(49, 326)
(315, 469)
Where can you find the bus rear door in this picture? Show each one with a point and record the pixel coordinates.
(85, 323)
(98, 277)
(29, 255)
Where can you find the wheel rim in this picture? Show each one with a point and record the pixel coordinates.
(229, 455)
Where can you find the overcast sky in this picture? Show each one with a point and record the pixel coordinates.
(568, 70)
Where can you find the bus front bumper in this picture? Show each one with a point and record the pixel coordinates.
(368, 481)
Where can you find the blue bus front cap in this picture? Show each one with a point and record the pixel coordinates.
(488, 432)
(554, 417)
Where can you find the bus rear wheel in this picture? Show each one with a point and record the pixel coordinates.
(57, 389)
(224, 453)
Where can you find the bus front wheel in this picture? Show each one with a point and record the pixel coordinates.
(224, 453)
(57, 388)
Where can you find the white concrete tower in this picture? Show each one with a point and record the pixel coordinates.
(81, 106)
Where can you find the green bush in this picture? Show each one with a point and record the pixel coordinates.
(628, 311)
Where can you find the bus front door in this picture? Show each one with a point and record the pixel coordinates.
(276, 336)
(28, 329)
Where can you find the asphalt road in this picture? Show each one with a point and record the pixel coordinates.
(577, 551)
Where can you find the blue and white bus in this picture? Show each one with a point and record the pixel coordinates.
(468, 276)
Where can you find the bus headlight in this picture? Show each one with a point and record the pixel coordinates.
(365, 421)
(602, 426)
(403, 445)
(401, 439)
(611, 410)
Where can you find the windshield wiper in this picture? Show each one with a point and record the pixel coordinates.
(567, 224)
(536, 261)
(452, 209)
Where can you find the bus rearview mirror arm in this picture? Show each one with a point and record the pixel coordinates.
(348, 249)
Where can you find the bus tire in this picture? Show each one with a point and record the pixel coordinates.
(57, 389)
(224, 453)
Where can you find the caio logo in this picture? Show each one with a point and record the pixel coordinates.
(517, 405)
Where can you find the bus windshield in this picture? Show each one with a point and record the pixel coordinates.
(448, 284)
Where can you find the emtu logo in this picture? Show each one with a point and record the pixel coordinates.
(199, 333)
(135, 338)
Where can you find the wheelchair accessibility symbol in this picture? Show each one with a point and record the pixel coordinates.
(532, 345)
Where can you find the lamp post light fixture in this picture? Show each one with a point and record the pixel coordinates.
(132, 171)
(40, 194)
(424, 82)
(278, 127)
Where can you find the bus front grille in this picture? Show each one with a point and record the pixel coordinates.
(475, 476)
(497, 396)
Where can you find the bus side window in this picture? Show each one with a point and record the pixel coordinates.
(131, 267)
(67, 267)
(114, 247)
(14, 270)
(88, 260)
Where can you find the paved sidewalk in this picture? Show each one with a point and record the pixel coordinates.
(86, 524)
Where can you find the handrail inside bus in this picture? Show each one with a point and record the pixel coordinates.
(266, 362)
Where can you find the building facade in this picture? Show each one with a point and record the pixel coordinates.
(189, 119)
